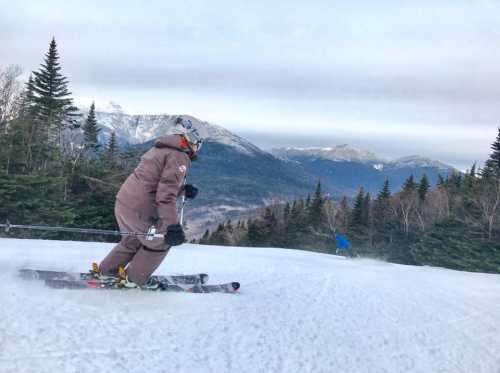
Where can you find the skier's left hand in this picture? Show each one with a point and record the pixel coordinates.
(190, 191)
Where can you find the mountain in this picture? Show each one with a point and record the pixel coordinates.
(338, 154)
(138, 129)
(235, 176)
(343, 169)
(298, 311)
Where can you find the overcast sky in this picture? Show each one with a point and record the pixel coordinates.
(396, 77)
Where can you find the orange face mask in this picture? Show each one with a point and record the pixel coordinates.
(184, 143)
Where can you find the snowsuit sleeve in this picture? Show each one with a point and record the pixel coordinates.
(169, 187)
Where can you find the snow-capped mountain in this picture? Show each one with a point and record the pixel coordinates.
(347, 153)
(342, 152)
(344, 169)
(138, 129)
(418, 161)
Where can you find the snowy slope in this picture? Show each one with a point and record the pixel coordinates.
(297, 312)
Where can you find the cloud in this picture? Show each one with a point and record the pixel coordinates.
(380, 67)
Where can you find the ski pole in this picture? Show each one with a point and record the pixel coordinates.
(149, 235)
(183, 203)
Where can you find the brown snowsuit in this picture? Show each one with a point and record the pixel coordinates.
(148, 197)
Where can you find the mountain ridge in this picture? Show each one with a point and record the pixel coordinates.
(236, 176)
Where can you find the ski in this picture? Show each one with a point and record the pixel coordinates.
(37, 274)
(231, 287)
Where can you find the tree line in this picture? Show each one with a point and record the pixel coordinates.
(454, 224)
(53, 169)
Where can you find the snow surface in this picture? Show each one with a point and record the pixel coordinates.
(297, 312)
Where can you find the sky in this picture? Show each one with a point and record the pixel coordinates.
(395, 77)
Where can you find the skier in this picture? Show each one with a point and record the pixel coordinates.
(342, 243)
(148, 199)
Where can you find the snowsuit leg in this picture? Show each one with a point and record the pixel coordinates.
(142, 256)
(144, 263)
(121, 255)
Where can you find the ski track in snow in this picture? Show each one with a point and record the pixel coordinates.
(297, 312)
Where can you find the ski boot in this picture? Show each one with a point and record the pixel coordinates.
(151, 284)
(96, 274)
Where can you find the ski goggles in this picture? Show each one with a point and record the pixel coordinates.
(194, 140)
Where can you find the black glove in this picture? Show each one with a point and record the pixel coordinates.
(175, 235)
(190, 191)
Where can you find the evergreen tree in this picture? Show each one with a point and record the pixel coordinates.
(492, 166)
(112, 147)
(366, 209)
(28, 99)
(410, 184)
(472, 171)
(385, 192)
(358, 213)
(54, 106)
(91, 131)
(382, 213)
(423, 187)
(316, 208)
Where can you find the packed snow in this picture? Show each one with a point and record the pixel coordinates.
(297, 312)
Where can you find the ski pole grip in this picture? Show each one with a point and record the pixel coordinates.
(151, 233)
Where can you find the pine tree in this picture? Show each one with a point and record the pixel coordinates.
(316, 208)
(423, 187)
(473, 171)
(492, 166)
(91, 131)
(366, 209)
(358, 215)
(409, 184)
(54, 105)
(28, 99)
(382, 212)
(385, 192)
(112, 150)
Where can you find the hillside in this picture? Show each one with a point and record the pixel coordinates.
(344, 169)
(297, 312)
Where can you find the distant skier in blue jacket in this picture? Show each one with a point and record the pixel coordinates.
(342, 243)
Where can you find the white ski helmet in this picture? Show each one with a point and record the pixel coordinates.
(195, 137)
